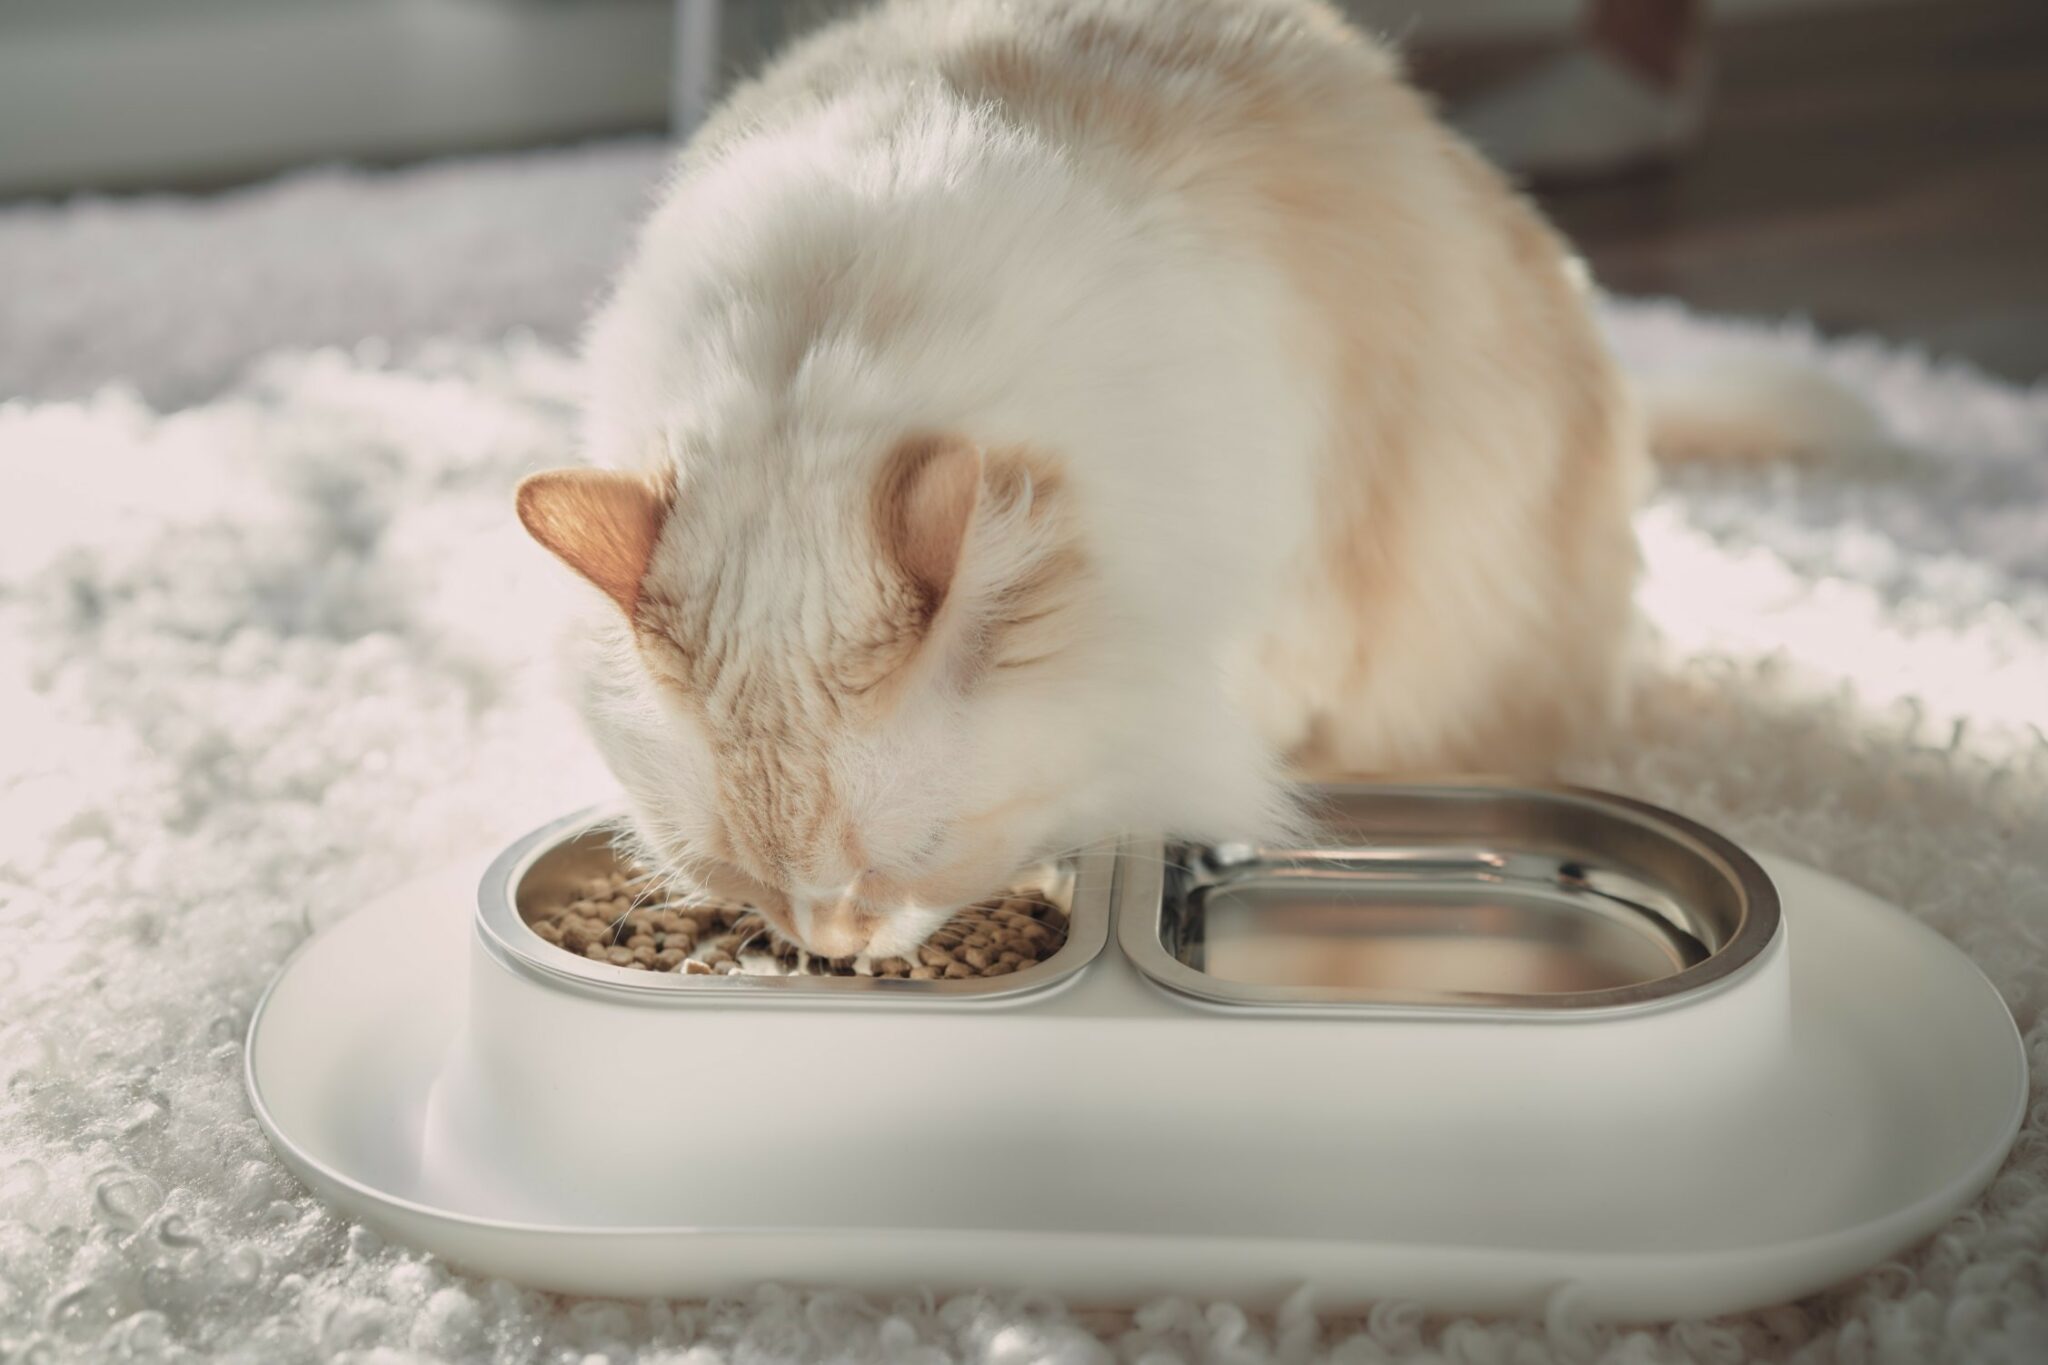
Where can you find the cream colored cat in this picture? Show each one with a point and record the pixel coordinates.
(1030, 420)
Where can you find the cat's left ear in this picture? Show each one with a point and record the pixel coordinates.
(986, 541)
(924, 507)
(600, 522)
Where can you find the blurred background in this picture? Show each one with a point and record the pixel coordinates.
(1876, 165)
(289, 291)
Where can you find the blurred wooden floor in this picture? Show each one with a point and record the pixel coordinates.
(1878, 169)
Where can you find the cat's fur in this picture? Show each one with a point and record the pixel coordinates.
(1049, 418)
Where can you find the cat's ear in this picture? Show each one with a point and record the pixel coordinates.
(988, 543)
(924, 507)
(600, 522)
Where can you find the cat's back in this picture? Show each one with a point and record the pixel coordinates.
(1155, 82)
(1443, 325)
(1273, 130)
(1224, 261)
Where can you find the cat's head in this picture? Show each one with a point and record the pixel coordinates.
(852, 693)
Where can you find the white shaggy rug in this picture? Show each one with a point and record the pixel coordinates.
(264, 649)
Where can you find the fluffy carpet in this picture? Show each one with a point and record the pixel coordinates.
(265, 648)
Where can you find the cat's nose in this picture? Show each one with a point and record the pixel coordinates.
(837, 927)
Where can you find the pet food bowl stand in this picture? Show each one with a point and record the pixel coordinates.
(1105, 1133)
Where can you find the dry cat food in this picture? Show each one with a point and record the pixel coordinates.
(618, 919)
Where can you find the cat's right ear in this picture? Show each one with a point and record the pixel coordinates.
(600, 522)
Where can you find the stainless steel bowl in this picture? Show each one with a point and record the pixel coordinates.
(541, 866)
(1552, 902)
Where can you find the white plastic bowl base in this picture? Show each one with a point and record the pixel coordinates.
(1900, 1094)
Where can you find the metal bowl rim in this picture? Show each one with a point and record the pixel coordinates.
(1758, 935)
(511, 942)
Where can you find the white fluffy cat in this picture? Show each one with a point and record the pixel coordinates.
(1030, 420)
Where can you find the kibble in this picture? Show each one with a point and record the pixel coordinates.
(611, 919)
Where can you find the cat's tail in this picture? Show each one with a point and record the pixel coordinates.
(1757, 411)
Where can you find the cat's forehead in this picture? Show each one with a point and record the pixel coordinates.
(770, 603)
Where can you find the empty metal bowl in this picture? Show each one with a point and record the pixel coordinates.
(1544, 901)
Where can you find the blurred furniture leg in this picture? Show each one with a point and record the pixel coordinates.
(694, 82)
